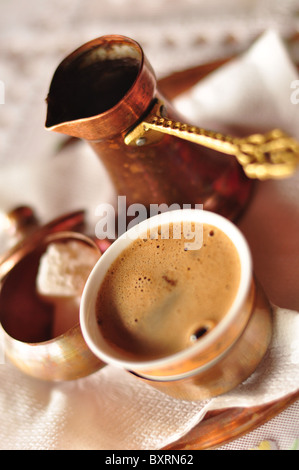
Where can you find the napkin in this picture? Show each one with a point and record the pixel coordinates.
(111, 409)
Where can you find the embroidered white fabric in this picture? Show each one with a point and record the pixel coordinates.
(111, 409)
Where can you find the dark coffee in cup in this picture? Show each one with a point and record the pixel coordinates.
(161, 295)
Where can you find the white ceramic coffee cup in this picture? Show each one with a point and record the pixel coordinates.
(210, 354)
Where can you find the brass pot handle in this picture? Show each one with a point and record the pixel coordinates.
(272, 155)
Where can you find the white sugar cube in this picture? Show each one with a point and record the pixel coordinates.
(64, 268)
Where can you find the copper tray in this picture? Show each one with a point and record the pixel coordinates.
(221, 427)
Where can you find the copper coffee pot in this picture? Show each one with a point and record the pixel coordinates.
(106, 93)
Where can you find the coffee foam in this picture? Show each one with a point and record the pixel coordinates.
(159, 296)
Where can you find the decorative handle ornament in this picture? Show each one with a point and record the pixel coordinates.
(263, 156)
